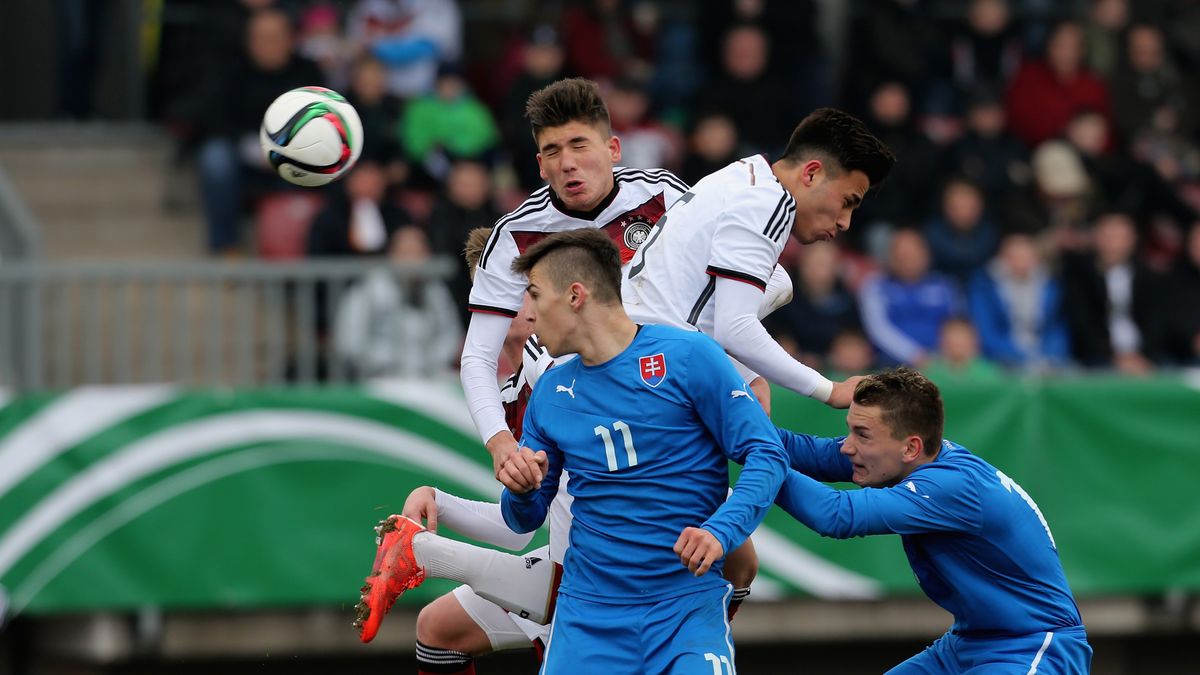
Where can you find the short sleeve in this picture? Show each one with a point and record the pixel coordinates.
(497, 289)
(751, 232)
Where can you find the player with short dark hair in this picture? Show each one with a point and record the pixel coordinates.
(977, 542)
(645, 420)
(712, 254)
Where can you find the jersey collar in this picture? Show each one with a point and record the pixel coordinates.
(594, 212)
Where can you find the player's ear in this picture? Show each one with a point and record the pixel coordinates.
(576, 294)
(809, 172)
(614, 148)
(541, 169)
(914, 446)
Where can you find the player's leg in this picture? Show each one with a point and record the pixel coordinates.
(448, 638)
(408, 554)
(592, 637)
(690, 634)
(459, 626)
(937, 659)
(740, 568)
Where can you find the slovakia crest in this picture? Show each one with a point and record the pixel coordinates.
(653, 369)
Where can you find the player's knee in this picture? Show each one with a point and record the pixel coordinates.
(444, 623)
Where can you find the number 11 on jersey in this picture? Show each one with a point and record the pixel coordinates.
(610, 450)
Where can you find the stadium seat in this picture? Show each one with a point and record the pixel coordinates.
(281, 221)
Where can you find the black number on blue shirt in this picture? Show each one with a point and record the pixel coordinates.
(610, 450)
(658, 228)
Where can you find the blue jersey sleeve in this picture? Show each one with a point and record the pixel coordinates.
(734, 417)
(816, 457)
(526, 512)
(932, 499)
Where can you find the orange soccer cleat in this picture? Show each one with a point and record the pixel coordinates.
(395, 571)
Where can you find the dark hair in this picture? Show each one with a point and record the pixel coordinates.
(587, 256)
(571, 100)
(831, 134)
(911, 404)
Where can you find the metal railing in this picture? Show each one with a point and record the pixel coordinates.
(18, 230)
(195, 323)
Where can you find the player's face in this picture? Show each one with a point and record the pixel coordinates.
(551, 312)
(576, 159)
(825, 203)
(522, 324)
(878, 457)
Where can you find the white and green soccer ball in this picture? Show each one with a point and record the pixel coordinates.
(311, 136)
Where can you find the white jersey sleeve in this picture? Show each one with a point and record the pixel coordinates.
(497, 289)
(750, 234)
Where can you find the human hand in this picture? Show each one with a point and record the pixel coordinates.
(421, 506)
(843, 393)
(501, 447)
(523, 471)
(698, 549)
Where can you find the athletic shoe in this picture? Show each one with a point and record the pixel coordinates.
(395, 571)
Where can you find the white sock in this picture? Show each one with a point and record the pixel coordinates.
(519, 583)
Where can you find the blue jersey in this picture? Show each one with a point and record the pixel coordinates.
(977, 542)
(646, 438)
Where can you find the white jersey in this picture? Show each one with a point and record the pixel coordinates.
(734, 223)
(628, 214)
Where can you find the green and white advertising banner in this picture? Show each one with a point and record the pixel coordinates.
(126, 497)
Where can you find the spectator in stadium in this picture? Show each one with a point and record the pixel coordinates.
(387, 327)
(412, 37)
(464, 204)
(1016, 305)
(1055, 206)
(379, 112)
(958, 358)
(905, 199)
(712, 145)
(1104, 31)
(895, 41)
(603, 40)
(821, 307)
(358, 219)
(645, 143)
(542, 59)
(1112, 300)
(977, 542)
(850, 354)
(230, 160)
(1150, 93)
(450, 123)
(985, 50)
(904, 306)
(795, 57)
(962, 237)
(761, 106)
(1182, 334)
(321, 41)
(986, 153)
(1046, 93)
(1123, 182)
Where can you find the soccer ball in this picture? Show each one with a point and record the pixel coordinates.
(311, 136)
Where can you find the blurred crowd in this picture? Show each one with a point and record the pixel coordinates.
(1042, 214)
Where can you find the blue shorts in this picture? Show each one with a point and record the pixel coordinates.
(1062, 652)
(685, 634)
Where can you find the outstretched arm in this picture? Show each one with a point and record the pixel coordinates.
(934, 499)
